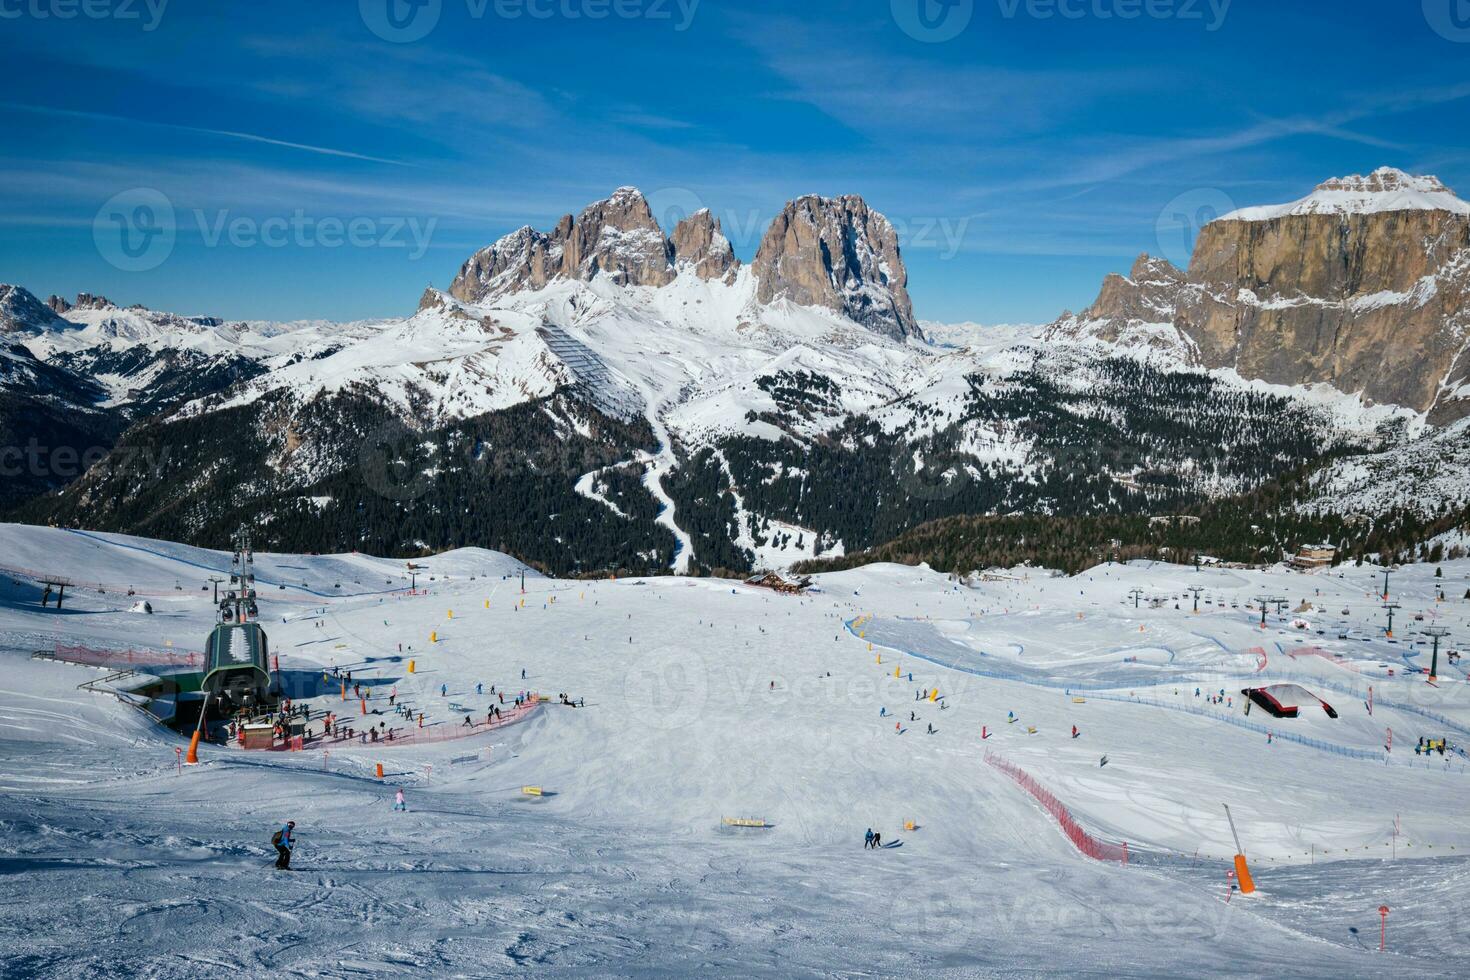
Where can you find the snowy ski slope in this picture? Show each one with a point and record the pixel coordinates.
(708, 699)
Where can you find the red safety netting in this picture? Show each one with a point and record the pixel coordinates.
(1080, 838)
(127, 658)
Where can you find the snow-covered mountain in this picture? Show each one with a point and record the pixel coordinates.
(605, 395)
(1364, 285)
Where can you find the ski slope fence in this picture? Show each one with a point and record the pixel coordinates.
(115, 659)
(415, 736)
(1086, 843)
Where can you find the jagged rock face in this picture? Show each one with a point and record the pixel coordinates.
(700, 244)
(1364, 285)
(617, 238)
(85, 301)
(21, 312)
(840, 254)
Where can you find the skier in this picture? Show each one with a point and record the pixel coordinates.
(443, 690)
(877, 840)
(523, 670)
(284, 844)
(398, 802)
(479, 689)
(868, 839)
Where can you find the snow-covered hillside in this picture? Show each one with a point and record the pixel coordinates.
(1385, 189)
(706, 700)
(744, 400)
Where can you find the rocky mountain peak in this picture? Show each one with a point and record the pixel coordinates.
(837, 253)
(22, 312)
(617, 238)
(700, 244)
(1386, 189)
(86, 301)
(1362, 285)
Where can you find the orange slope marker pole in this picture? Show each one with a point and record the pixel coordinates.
(1242, 870)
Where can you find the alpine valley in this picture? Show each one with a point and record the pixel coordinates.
(612, 396)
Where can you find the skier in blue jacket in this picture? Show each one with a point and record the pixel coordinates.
(284, 844)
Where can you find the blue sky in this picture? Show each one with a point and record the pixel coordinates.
(1043, 145)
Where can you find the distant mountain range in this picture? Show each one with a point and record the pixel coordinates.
(604, 396)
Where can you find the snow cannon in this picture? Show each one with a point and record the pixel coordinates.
(1242, 870)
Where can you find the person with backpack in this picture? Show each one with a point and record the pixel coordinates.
(284, 844)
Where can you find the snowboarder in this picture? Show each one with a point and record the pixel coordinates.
(284, 844)
(1075, 733)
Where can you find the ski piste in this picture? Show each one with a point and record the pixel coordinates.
(597, 838)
